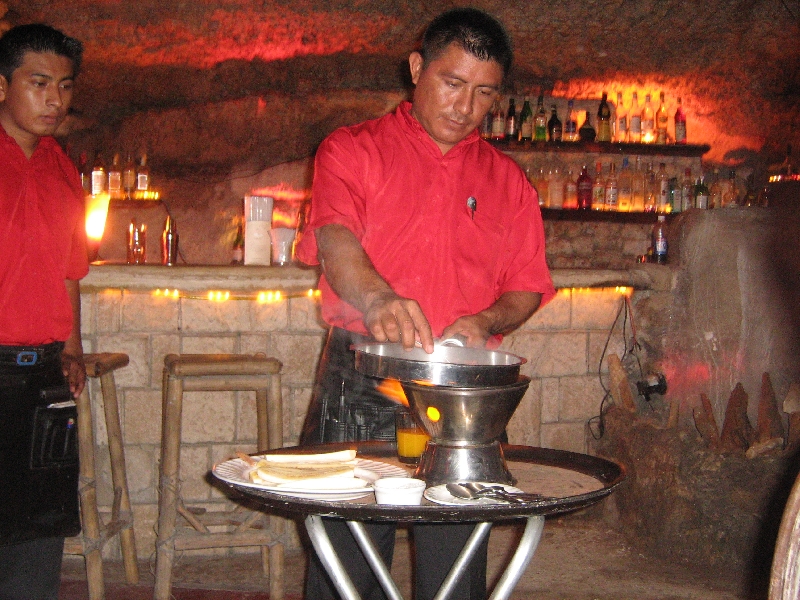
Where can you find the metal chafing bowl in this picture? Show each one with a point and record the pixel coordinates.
(446, 366)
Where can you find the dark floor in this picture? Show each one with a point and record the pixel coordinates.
(577, 559)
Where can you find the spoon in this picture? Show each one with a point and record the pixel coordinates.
(479, 489)
(469, 492)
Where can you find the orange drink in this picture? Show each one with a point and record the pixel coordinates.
(411, 438)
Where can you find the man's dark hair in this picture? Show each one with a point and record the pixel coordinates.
(475, 31)
(36, 38)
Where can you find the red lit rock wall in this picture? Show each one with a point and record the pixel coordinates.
(217, 92)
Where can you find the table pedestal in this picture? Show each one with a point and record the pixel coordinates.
(516, 567)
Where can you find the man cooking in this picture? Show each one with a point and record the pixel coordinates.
(423, 231)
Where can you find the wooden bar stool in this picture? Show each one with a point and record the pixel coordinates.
(94, 532)
(216, 372)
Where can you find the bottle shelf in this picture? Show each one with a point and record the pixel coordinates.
(618, 148)
(602, 216)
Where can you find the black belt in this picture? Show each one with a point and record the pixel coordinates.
(28, 356)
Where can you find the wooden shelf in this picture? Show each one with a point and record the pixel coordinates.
(601, 216)
(687, 150)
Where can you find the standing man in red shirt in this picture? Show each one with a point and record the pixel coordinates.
(42, 257)
(423, 230)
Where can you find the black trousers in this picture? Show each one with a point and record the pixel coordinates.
(366, 414)
(38, 471)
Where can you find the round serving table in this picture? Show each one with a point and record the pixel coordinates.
(566, 481)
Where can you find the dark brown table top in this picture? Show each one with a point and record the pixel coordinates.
(567, 480)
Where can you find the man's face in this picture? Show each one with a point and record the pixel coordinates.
(34, 103)
(453, 93)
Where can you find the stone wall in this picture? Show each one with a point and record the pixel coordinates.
(563, 344)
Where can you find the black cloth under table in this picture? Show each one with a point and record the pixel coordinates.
(366, 414)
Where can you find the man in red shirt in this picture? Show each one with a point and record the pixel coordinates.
(423, 230)
(42, 257)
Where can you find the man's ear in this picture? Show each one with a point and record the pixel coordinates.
(415, 62)
(3, 88)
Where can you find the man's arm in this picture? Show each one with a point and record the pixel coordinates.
(510, 311)
(353, 277)
(72, 358)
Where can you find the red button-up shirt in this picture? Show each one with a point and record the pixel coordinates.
(42, 242)
(409, 206)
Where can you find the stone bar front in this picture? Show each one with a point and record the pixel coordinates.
(151, 311)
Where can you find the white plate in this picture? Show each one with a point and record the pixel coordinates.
(440, 495)
(235, 471)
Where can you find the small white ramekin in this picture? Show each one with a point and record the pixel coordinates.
(399, 490)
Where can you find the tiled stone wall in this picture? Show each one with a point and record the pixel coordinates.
(562, 342)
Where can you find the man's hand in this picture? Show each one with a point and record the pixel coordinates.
(396, 319)
(74, 370)
(353, 277)
(510, 311)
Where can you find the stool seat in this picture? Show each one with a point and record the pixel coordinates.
(94, 532)
(244, 527)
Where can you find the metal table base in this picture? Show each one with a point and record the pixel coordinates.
(516, 567)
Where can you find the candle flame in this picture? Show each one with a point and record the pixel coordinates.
(96, 212)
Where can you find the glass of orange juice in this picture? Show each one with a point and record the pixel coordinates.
(411, 438)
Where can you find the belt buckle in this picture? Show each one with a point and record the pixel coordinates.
(27, 358)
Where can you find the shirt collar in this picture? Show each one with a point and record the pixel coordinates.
(416, 128)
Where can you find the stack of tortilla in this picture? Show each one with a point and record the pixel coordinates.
(328, 471)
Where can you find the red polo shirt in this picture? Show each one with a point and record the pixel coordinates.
(42, 242)
(387, 182)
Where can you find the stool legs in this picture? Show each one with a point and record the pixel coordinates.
(172, 402)
(90, 518)
(121, 511)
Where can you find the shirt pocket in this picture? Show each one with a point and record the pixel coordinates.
(479, 246)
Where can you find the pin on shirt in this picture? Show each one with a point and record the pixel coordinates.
(472, 205)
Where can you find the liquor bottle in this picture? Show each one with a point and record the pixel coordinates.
(635, 120)
(541, 185)
(621, 132)
(715, 191)
(511, 120)
(680, 124)
(660, 241)
(99, 180)
(625, 185)
(612, 189)
(598, 188)
(662, 120)
(555, 188)
(554, 128)
(648, 121)
(237, 251)
(86, 173)
(586, 133)
(687, 190)
(650, 189)
(486, 124)
(701, 194)
(730, 193)
(129, 176)
(637, 187)
(571, 124)
(498, 122)
(540, 122)
(143, 176)
(584, 185)
(662, 189)
(115, 178)
(526, 121)
(570, 191)
(604, 120)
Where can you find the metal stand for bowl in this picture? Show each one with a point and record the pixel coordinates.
(441, 463)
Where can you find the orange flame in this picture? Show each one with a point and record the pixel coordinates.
(392, 389)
